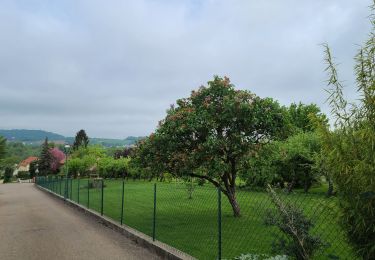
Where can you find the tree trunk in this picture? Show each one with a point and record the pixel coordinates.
(290, 186)
(330, 187)
(231, 194)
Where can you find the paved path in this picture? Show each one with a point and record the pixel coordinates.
(36, 226)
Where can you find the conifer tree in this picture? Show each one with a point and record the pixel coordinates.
(81, 139)
(45, 159)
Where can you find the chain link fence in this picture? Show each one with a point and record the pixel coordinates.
(199, 220)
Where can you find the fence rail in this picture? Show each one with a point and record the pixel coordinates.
(199, 219)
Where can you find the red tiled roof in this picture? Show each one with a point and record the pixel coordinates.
(28, 160)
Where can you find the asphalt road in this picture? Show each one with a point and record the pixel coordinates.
(36, 226)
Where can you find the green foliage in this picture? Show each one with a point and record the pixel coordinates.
(82, 166)
(209, 135)
(8, 174)
(23, 175)
(350, 148)
(33, 168)
(2, 147)
(21, 151)
(262, 166)
(109, 167)
(289, 162)
(291, 221)
(96, 151)
(302, 117)
(45, 159)
(75, 167)
(81, 139)
(8, 162)
(296, 161)
(93, 159)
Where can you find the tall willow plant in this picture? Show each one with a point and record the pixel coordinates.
(350, 147)
(2, 146)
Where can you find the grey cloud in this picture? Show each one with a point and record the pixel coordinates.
(114, 67)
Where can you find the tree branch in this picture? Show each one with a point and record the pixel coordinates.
(216, 183)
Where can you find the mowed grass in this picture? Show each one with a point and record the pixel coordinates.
(191, 225)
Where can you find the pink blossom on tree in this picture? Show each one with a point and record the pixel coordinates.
(58, 159)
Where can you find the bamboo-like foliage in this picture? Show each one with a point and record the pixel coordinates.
(350, 147)
(2, 146)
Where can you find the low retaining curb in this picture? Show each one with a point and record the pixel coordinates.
(163, 250)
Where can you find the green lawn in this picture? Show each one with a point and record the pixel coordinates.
(191, 224)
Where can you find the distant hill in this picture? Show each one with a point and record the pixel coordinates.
(23, 135)
(36, 137)
(109, 142)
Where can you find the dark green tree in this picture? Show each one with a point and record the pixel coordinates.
(288, 163)
(45, 159)
(81, 139)
(302, 117)
(8, 174)
(210, 134)
(33, 168)
(296, 160)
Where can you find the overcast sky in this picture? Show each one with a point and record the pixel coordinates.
(113, 67)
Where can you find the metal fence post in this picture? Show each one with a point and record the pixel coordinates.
(154, 218)
(60, 184)
(219, 221)
(122, 201)
(102, 206)
(71, 188)
(66, 187)
(78, 191)
(88, 193)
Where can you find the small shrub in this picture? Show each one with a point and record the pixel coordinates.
(23, 175)
(96, 184)
(261, 257)
(8, 174)
(297, 242)
(190, 187)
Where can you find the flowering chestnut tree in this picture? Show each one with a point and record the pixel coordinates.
(57, 159)
(210, 134)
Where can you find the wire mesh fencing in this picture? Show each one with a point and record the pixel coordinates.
(200, 219)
